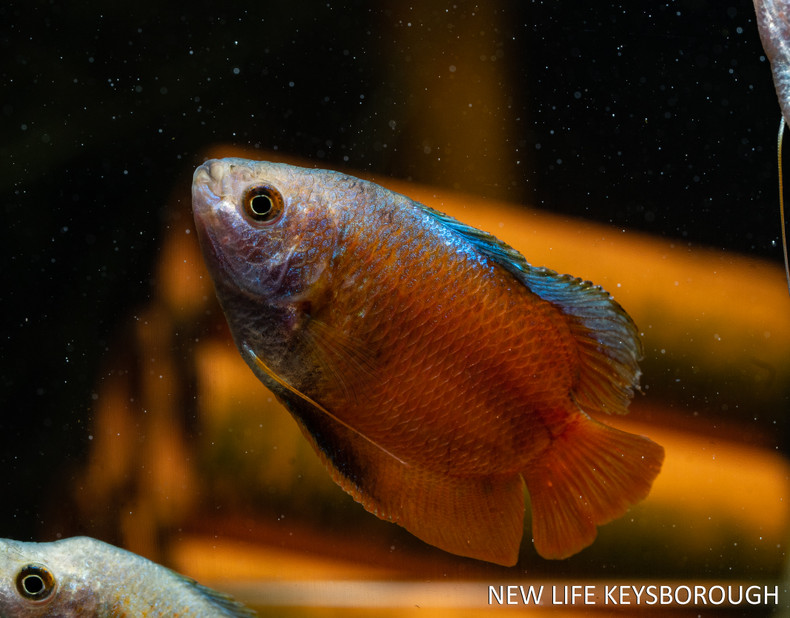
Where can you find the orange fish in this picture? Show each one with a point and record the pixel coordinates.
(434, 371)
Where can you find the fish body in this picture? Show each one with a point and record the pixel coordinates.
(434, 371)
(81, 576)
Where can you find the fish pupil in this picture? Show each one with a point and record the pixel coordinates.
(261, 205)
(35, 582)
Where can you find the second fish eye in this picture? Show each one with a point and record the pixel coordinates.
(263, 203)
(35, 582)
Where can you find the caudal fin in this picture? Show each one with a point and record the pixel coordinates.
(590, 475)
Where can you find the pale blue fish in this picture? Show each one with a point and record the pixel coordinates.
(81, 576)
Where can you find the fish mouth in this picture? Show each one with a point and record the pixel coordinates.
(218, 180)
(207, 197)
(212, 171)
(207, 184)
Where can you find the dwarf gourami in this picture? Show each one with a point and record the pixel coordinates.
(434, 371)
(81, 576)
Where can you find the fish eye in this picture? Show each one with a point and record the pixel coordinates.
(35, 582)
(263, 203)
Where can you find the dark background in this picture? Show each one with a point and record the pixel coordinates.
(656, 117)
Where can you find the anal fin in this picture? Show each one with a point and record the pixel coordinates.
(477, 517)
(590, 475)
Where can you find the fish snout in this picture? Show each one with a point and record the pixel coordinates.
(211, 187)
(207, 179)
(212, 170)
(220, 179)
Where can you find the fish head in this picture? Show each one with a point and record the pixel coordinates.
(266, 230)
(42, 579)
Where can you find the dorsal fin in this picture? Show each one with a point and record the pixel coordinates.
(608, 339)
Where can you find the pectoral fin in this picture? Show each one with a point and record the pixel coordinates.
(344, 361)
(286, 392)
